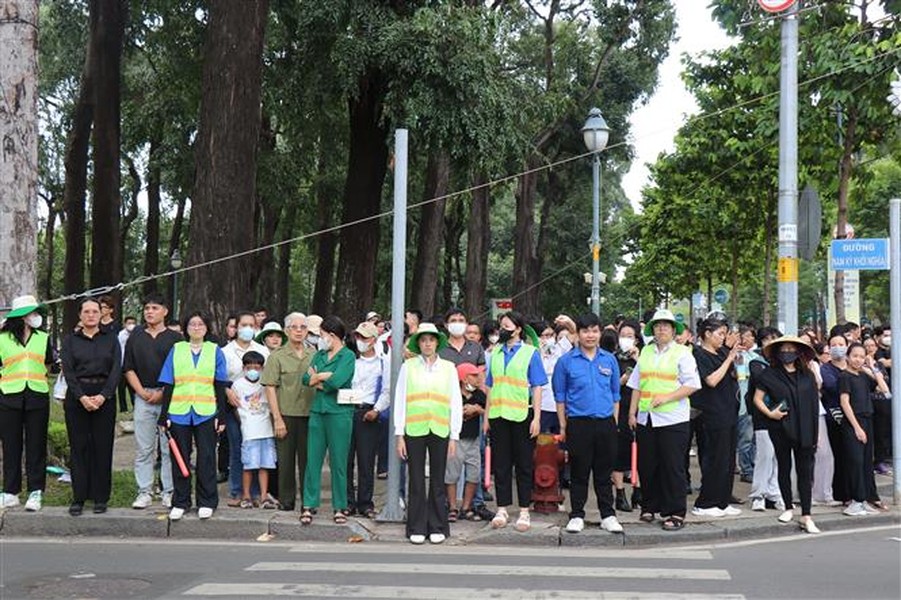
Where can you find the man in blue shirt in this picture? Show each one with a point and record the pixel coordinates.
(586, 387)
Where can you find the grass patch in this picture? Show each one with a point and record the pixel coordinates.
(122, 494)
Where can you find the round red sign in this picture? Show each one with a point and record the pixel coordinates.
(775, 6)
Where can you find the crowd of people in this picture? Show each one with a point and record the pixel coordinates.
(804, 420)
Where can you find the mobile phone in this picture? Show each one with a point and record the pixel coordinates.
(783, 406)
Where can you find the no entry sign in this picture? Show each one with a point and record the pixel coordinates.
(775, 6)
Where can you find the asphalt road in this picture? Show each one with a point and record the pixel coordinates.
(855, 564)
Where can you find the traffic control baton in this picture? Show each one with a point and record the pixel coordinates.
(173, 449)
(487, 462)
(635, 481)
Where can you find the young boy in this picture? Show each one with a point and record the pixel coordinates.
(258, 445)
(467, 455)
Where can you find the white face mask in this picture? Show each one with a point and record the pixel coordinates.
(245, 334)
(34, 321)
(469, 387)
(456, 329)
(130, 327)
(494, 338)
(886, 340)
(325, 344)
(363, 347)
(626, 344)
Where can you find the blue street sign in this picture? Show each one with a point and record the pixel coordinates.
(721, 296)
(859, 255)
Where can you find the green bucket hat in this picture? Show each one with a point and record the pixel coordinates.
(268, 328)
(24, 305)
(429, 328)
(663, 315)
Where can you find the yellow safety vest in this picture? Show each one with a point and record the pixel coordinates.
(193, 385)
(659, 374)
(510, 385)
(23, 366)
(428, 402)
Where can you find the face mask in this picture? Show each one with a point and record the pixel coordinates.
(469, 387)
(245, 334)
(324, 344)
(252, 375)
(626, 344)
(886, 340)
(494, 338)
(311, 340)
(505, 335)
(456, 329)
(34, 321)
(838, 352)
(547, 345)
(788, 357)
(362, 347)
(130, 327)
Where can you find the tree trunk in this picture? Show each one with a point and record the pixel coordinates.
(525, 257)
(478, 237)
(152, 240)
(129, 217)
(366, 169)
(226, 158)
(453, 226)
(325, 243)
(282, 279)
(19, 151)
(107, 32)
(49, 232)
(844, 178)
(76, 166)
(431, 234)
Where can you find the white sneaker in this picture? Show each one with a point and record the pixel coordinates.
(611, 524)
(8, 500)
(731, 511)
(34, 502)
(871, 510)
(713, 511)
(204, 512)
(786, 516)
(176, 513)
(144, 500)
(575, 525)
(855, 509)
(780, 505)
(436, 538)
(758, 504)
(417, 539)
(166, 499)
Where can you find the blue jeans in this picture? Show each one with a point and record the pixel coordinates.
(746, 446)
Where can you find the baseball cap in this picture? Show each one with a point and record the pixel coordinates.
(466, 369)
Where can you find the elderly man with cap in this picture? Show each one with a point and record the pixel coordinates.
(428, 416)
(664, 377)
(289, 403)
(372, 386)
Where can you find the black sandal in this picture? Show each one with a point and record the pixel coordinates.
(306, 517)
(646, 517)
(471, 515)
(673, 523)
(452, 515)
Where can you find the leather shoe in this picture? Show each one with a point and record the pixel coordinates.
(76, 508)
(735, 500)
(99, 508)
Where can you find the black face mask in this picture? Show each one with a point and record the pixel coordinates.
(788, 357)
(504, 336)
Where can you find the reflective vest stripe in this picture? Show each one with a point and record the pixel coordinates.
(23, 366)
(428, 404)
(658, 374)
(193, 387)
(23, 356)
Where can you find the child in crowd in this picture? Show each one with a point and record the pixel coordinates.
(258, 445)
(467, 457)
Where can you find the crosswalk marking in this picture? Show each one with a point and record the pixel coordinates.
(433, 593)
(497, 570)
(546, 553)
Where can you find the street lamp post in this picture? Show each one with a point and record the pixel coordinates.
(595, 133)
(176, 263)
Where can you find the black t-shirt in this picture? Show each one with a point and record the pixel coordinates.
(719, 404)
(470, 429)
(859, 388)
(755, 369)
(626, 364)
(885, 353)
(145, 354)
(90, 358)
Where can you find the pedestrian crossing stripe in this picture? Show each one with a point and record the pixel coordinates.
(517, 551)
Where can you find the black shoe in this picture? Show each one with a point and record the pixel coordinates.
(621, 503)
(484, 513)
(769, 504)
(222, 477)
(636, 498)
(746, 479)
(99, 508)
(487, 497)
(286, 507)
(735, 500)
(76, 508)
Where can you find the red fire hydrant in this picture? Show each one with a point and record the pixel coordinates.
(548, 458)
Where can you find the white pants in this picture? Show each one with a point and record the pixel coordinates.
(766, 472)
(824, 467)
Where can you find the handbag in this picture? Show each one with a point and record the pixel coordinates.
(349, 396)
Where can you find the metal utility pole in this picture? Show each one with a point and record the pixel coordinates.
(895, 307)
(787, 313)
(596, 236)
(392, 510)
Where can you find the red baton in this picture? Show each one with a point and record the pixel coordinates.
(634, 462)
(173, 449)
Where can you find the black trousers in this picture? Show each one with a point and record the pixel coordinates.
(512, 448)
(91, 436)
(839, 476)
(592, 451)
(204, 437)
(696, 431)
(784, 448)
(23, 426)
(661, 468)
(363, 448)
(859, 461)
(717, 467)
(882, 429)
(427, 514)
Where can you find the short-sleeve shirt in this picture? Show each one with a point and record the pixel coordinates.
(859, 388)
(167, 377)
(471, 352)
(537, 376)
(284, 370)
(471, 428)
(234, 353)
(145, 354)
(719, 403)
(253, 408)
(587, 387)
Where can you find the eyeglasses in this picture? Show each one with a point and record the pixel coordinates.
(296, 327)
(196, 325)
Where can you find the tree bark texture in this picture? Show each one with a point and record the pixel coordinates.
(325, 244)
(221, 222)
(431, 234)
(845, 169)
(366, 169)
(107, 30)
(18, 149)
(154, 197)
(478, 238)
(525, 256)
